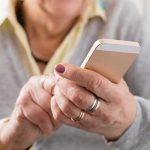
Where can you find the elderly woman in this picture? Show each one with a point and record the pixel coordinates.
(72, 108)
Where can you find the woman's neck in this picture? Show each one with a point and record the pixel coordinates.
(45, 31)
(48, 22)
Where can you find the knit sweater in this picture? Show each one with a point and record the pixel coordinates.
(124, 22)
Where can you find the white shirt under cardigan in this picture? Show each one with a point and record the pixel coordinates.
(124, 21)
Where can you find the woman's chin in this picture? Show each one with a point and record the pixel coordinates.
(64, 7)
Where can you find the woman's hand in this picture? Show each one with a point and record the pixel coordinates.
(31, 118)
(77, 90)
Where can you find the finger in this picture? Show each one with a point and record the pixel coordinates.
(59, 116)
(48, 83)
(57, 113)
(78, 95)
(66, 106)
(91, 80)
(36, 115)
(71, 111)
(100, 120)
(39, 95)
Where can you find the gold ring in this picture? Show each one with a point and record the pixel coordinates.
(80, 117)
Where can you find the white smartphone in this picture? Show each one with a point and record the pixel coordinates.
(111, 58)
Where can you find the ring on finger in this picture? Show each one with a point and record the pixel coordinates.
(80, 117)
(42, 81)
(94, 106)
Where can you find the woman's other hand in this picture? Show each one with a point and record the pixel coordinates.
(31, 118)
(75, 94)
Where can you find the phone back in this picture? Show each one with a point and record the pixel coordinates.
(111, 58)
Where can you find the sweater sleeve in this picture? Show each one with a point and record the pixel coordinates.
(137, 137)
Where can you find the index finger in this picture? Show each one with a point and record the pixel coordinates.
(91, 80)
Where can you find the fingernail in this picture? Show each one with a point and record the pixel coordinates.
(60, 68)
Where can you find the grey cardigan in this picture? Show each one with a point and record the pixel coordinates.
(124, 21)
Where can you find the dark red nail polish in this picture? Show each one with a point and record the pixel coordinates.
(60, 68)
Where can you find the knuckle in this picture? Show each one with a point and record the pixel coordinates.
(49, 84)
(19, 114)
(66, 107)
(43, 96)
(23, 101)
(95, 83)
(31, 84)
(26, 90)
(76, 95)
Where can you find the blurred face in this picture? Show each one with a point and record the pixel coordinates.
(64, 8)
(56, 13)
